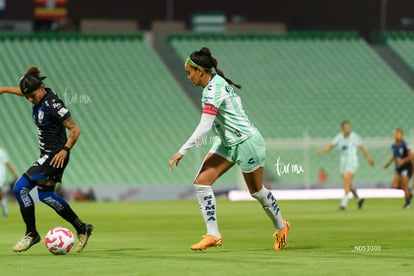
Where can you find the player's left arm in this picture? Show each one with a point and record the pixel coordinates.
(74, 131)
(367, 155)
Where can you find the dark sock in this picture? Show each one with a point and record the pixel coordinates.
(28, 214)
(69, 215)
(63, 209)
(355, 194)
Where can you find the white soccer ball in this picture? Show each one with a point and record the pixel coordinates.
(59, 240)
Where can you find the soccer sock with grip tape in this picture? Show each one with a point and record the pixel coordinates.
(21, 191)
(207, 203)
(62, 208)
(271, 207)
(344, 201)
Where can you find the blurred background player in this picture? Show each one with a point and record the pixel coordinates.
(403, 158)
(52, 119)
(238, 142)
(5, 163)
(348, 142)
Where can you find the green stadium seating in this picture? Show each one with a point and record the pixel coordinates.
(303, 85)
(132, 113)
(402, 43)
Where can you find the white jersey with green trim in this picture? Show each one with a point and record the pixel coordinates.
(348, 147)
(231, 122)
(4, 159)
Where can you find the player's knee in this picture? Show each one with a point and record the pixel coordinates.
(21, 186)
(203, 180)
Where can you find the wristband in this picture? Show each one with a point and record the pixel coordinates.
(66, 148)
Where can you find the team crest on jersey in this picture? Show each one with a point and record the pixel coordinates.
(40, 116)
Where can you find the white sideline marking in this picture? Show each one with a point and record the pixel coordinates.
(320, 194)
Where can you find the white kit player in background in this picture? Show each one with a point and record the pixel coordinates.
(348, 143)
(5, 163)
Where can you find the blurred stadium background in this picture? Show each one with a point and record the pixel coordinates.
(119, 68)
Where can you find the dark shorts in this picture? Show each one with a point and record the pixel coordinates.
(404, 171)
(42, 170)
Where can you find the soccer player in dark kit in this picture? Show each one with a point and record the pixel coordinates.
(403, 158)
(52, 119)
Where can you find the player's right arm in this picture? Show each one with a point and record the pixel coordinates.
(11, 90)
(325, 149)
(392, 159)
(205, 125)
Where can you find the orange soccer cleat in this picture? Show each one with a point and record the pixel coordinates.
(206, 242)
(281, 236)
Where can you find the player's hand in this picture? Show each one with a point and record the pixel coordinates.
(371, 162)
(58, 160)
(175, 160)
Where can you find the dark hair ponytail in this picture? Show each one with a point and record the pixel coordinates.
(33, 71)
(204, 59)
(31, 80)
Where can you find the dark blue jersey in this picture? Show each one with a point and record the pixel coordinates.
(48, 116)
(401, 151)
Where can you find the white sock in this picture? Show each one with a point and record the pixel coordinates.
(207, 203)
(269, 203)
(3, 204)
(344, 201)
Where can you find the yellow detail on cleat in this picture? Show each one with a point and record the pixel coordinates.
(206, 242)
(25, 243)
(83, 238)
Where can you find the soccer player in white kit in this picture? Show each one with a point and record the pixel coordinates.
(348, 143)
(238, 142)
(5, 163)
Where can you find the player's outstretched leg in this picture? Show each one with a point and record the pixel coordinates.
(271, 207)
(21, 190)
(62, 208)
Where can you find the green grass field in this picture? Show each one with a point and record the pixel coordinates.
(153, 238)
